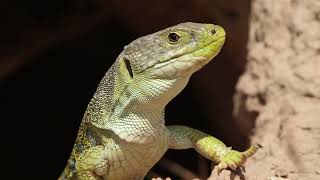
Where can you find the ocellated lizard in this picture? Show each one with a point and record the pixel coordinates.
(123, 132)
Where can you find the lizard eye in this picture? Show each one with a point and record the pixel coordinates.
(128, 66)
(173, 37)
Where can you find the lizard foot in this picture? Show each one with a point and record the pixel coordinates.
(235, 159)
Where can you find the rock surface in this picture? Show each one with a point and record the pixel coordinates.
(278, 96)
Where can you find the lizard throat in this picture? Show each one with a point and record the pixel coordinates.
(140, 127)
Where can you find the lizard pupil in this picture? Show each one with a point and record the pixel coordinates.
(173, 37)
(128, 66)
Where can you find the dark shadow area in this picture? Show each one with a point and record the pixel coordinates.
(55, 53)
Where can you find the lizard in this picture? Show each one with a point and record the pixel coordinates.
(123, 133)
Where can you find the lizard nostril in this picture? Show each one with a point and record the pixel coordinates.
(213, 31)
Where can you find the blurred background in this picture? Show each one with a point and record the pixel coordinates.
(54, 53)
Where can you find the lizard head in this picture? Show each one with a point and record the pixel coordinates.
(175, 52)
(165, 60)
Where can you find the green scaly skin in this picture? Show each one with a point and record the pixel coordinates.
(123, 132)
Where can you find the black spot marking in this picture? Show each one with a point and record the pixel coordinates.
(128, 66)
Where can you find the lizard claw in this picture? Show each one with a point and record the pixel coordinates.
(221, 166)
(243, 169)
(232, 165)
(235, 159)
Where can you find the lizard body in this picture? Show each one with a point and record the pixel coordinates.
(123, 132)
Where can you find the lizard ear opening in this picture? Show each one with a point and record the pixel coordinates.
(128, 66)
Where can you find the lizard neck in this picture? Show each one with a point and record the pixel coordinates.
(134, 111)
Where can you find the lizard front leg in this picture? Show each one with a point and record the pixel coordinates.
(183, 137)
(92, 164)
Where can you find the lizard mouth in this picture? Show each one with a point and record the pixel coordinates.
(190, 62)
